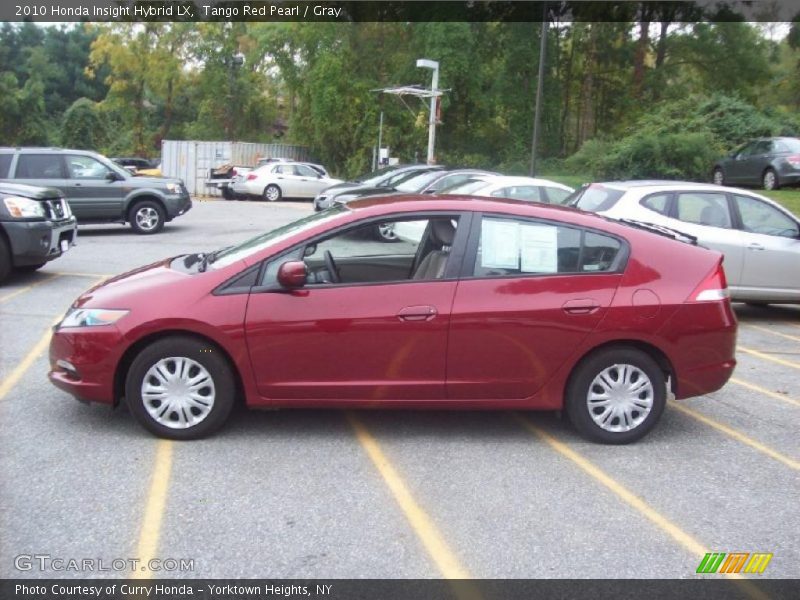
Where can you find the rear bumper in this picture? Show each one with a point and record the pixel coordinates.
(704, 351)
(36, 242)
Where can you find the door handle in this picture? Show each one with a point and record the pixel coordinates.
(580, 306)
(417, 313)
(755, 246)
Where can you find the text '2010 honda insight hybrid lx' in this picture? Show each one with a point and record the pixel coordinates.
(499, 305)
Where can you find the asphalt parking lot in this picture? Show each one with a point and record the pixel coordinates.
(335, 494)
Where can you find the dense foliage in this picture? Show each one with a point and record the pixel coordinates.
(659, 93)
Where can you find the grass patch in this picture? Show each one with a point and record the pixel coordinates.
(787, 197)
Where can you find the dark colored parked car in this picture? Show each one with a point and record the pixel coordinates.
(381, 181)
(36, 226)
(499, 305)
(97, 189)
(134, 164)
(768, 162)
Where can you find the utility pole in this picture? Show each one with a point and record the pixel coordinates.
(431, 64)
(539, 88)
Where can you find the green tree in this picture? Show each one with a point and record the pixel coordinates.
(83, 126)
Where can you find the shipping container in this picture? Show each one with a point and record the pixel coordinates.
(193, 161)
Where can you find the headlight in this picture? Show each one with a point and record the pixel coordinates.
(66, 208)
(22, 208)
(174, 188)
(90, 317)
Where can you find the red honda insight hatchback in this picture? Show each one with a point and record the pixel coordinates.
(485, 304)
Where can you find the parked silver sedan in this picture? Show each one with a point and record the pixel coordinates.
(274, 181)
(759, 238)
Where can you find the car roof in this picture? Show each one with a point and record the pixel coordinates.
(657, 183)
(522, 180)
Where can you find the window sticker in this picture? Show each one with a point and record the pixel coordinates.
(539, 248)
(499, 244)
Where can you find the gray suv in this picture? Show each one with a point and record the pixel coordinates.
(98, 190)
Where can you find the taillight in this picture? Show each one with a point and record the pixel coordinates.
(794, 160)
(713, 288)
(233, 172)
(251, 176)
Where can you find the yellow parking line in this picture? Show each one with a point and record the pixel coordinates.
(28, 288)
(739, 436)
(771, 332)
(766, 392)
(780, 361)
(25, 364)
(154, 509)
(686, 540)
(102, 276)
(422, 524)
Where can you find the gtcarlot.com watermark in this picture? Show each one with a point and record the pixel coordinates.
(50, 563)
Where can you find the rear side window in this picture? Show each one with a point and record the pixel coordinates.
(597, 198)
(703, 208)
(657, 202)
(519, 247)
(40, 166)
(5, 163)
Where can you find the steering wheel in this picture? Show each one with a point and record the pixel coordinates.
(331, 266)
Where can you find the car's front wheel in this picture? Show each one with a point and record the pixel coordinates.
(180, 388)
(147, 216)
(718, 177)
(272, 193)
(770, 180)
(385, 232)
(616, 395)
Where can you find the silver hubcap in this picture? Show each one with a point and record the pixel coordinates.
(178, 392)
(272, 194)
(386, 231)
(718, 177)
(620, 398)
(769, 180)
(147, 218)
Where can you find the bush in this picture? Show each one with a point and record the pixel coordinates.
(83, 126)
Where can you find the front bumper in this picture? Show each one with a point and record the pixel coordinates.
(83, 361)
(178, 205)
(36, 242)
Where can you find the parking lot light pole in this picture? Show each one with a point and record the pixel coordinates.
(424, 63)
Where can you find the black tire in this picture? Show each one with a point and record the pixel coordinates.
(30, 268)
(272, 193)
(718, 176)
(228, 193)
(5, 260)
(583, 381)
(769, 180)
(384, 232)
(146, 217)
(200, 356)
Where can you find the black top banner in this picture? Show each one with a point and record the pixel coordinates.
(389, 11)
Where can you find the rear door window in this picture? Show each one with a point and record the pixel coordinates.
(704, 208)
(40, 166)
(657, 202)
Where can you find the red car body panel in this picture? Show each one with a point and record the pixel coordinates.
(505, 342)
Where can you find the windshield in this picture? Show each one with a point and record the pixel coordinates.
(467, 188)
(375, 176)
(417, 181)
(228, 256)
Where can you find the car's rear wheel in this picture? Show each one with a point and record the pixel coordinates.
(385, 232)
(718, 177)
(5, 259)
(616, 395)
(272, 193)
(770, 180)
(180, 388)
(146, 217)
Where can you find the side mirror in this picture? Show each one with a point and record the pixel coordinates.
(113, 176)
(293, 274)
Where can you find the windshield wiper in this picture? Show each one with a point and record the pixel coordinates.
(208, 259)
(669, 232)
